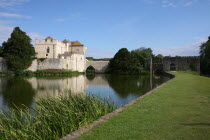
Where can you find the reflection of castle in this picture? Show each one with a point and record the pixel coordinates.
(50, 87)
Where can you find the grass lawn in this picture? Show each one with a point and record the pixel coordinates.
(178, 110)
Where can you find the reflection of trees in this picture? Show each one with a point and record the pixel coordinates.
(129, 84)
(90, 77)
(126, 85)
(17, 91)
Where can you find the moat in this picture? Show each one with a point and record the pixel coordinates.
(120, 89)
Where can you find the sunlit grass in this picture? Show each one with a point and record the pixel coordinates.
(177, 111)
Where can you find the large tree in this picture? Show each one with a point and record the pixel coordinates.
(205, 57)
(143, 54)
(18, 50)
(124, 62)
(158, 58)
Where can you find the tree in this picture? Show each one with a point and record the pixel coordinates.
(18, 51)
(205, 57)
(124, 62)
(158, 58)
(143, 54)
(1, 51)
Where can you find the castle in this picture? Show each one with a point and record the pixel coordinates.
(69, 55)
(53, 48)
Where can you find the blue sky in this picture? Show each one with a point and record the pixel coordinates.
(169, 27)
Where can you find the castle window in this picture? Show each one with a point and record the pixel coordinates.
(48, 50)
(81, 58)
(46, 54)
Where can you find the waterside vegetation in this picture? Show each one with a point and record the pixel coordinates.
(41, 73)
(52, 118)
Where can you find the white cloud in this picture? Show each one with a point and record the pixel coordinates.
(186, 50)
(12, 15)
(5, 32)
(11, 3)
(35, 35)
(172, 3)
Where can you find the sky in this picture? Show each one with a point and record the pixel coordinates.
(168, 27)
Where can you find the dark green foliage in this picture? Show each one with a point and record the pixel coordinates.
(158, 58)
(41, 73)
(192, 67)
(1, 51)
(99, 59)
(90, 58)
(41, 59)
(205, 57)
(18, 51)
(143, 54)
(124, 62)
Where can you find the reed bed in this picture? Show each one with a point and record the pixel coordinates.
(52, 118)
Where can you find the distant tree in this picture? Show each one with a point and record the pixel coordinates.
(205, 57)
(158, 58)
(18, 50)
(124, 62)
(89, 58)
(143, 54)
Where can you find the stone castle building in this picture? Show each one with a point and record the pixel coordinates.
(53, 48)
(69, 55)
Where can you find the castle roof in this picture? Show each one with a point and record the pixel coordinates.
(66, 41)
(48, 38)
(76, 44)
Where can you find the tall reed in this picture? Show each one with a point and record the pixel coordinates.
(52, 118)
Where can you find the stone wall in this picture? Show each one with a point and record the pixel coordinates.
(181, 63)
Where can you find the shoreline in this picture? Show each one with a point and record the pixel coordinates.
(84, 129)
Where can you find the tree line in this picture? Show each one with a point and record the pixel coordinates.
(205, 57)
(19, 54)
(134, 62)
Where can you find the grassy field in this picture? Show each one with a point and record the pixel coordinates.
(178, 110)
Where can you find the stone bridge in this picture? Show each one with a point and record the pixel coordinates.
(99, 66)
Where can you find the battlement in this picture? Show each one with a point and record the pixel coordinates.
(49, 40)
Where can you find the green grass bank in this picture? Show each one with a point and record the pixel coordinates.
(178, 110)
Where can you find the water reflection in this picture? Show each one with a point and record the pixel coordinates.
(120, 89)
(16, 92)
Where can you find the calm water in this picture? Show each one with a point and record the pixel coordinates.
(120, 89)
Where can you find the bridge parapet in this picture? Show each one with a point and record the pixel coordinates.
(99, 66)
